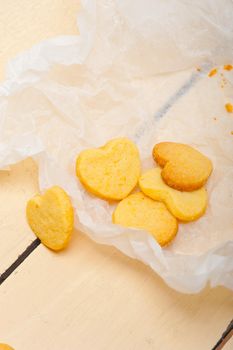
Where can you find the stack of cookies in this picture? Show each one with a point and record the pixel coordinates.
(170, 192)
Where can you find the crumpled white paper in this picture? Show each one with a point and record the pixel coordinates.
(132, 72)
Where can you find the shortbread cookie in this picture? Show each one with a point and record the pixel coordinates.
(185, 168)
(111, 171)
(5, 347)
(51, 217)
(185, 206)
(139, 211)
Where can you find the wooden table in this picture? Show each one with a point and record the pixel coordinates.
(90, 296)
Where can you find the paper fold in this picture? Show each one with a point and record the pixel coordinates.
(132, 72)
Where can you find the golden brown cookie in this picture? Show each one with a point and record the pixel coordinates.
(185, 168)
(185, 206)
(139, 211)
(51, 217)
(5, 347)
(112, 171)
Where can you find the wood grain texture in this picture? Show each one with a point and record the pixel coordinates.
(93, 297)
(22, 24)
(16, 186)
(26, 22)
(90, 296)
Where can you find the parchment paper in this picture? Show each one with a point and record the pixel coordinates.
(132, 72)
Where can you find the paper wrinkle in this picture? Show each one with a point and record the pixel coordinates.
(132, 72)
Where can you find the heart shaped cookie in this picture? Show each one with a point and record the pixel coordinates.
(51, 217)
(110, 172)
(184, 168)
(5, 347)
(139, 211)
(185, 206)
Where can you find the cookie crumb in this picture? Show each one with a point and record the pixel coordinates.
(212, 72)
(231, 132)
(198, 69)
(228, 67)
(229, 107)
(215, 118)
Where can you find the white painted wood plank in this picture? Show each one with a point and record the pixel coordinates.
(26, 22)
(92, 297)
(229, 345)
(22, 24)
(16, 186)
(89, 297)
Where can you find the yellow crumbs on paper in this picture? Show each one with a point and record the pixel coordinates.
(228, 67)
(212, 72)
(229, 107)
